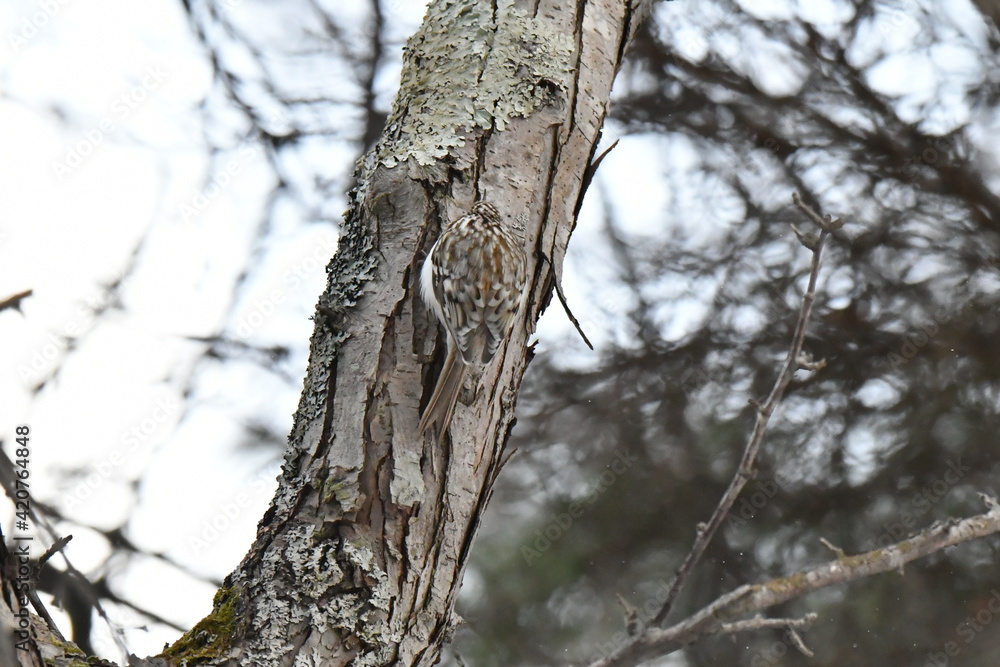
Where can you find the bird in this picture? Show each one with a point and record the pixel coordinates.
(473, 280)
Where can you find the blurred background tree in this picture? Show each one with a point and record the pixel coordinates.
(885, 114)
(683, 271)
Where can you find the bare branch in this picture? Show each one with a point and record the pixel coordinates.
(793, 361)
(557, 281)
(748, 599)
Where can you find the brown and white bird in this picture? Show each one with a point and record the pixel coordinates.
(474, 281)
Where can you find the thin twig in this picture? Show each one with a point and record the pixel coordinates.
(588, 177)
(799, 644)
(56, 547)
(825, 222)
(14, 301)
(631, 615)
(760, 623)
(764, 411)
(565, 304)
(832, 547)
(749, 599)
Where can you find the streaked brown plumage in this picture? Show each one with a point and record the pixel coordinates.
(474, 280)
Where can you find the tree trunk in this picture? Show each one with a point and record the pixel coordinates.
(360, 556)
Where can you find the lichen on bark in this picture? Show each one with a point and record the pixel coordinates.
(209, 639)
(469, 67)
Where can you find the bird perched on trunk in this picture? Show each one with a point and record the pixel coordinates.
(474, 281)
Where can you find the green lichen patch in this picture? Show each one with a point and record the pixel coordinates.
(211, 636)
(71, 659)
(68, 648)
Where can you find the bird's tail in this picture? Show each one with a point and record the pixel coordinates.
(442, 404)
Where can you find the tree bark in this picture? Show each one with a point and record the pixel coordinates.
(360, 556)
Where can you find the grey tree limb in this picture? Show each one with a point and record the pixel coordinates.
(747, 599)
